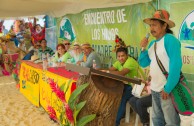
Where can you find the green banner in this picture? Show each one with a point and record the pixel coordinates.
(185, 31)
(99, 27)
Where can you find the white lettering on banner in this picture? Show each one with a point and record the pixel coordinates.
(188, 59)
(105, 17)
(104, 34)
(121, 16)
(133, 51)
(96, 34)
(107, 49)
(103, 49)
(109, 34)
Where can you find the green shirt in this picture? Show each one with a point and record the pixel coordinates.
(1, 51)
(132, 65)
(64, 58)
(67, 56)
(59, 59)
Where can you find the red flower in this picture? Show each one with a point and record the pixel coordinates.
(53, 85)
(116, 40)
(52, 113)
(61, 95)
(56, 89)
(69, 113)
(73, 86)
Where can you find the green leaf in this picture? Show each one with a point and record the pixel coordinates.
(75, 93)
(62, 87)
(61, 117)
(78, 108)
(67, 85)
(72, 105)
(84, 120)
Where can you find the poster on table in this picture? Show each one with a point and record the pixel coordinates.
(99, 27)
(47, 96)
(29, 83)
(185, 31)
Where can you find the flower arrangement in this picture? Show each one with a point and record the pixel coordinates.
(70, 109)
(119, 43)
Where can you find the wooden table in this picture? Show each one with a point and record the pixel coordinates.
(103, 95)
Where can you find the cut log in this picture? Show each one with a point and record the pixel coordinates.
(103, 96)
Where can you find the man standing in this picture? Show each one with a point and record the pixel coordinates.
(168, 50)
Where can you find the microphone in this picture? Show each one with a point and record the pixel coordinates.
(147, 37)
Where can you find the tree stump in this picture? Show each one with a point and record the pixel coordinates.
(103, 96)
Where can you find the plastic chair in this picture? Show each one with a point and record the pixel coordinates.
(150, 112)
(127, 115)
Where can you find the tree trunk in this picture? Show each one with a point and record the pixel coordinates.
(103, 96)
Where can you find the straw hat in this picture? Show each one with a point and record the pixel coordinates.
(86, 45)
(3, 38)
(12, 34)
(162, 15)
(12, 47)
(76, 44)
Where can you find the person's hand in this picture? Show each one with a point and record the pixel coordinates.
(144, 42)
(62, 64)
(147, 83)
(58, 64)
(103, 70)
(145, 88)
(164, 95)
(142, 80)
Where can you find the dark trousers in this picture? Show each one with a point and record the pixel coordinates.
(140, 106)
(122, 108)
(28, 55)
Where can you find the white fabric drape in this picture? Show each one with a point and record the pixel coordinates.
(56, 8)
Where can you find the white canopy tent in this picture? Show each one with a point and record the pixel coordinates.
(56, 8)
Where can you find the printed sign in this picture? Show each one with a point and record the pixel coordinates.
(29, 83)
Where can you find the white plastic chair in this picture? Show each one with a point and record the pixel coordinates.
(150, 112)
(127, 115)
